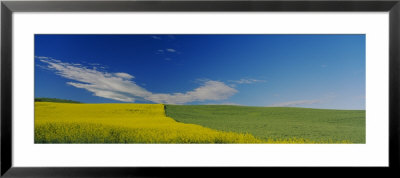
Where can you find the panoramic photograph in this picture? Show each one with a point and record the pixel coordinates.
(199, 89)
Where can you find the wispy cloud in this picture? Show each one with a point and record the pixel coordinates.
(120, 86)
(124, 75)
(156, 37)
(210, 90)
(167, 53)
(160, 51)
(246, 81)
(295, 103)
(171, 50)
(167, 50)
(41, 57)
(167, 37)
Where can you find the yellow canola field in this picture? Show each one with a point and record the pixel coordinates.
(121, 123)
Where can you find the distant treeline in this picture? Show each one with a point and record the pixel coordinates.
(56, 100)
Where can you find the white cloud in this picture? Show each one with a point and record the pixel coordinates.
(170, 50)
(124, 75)
(41, 57)
(119, 86)
(210, 90)
(247, 81)
(101, 92)
(295, 103)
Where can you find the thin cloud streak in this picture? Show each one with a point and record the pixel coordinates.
(170, 50)
(156, 37)
(246, 81)
(234, 83)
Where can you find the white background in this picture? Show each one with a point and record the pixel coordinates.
(373, 153)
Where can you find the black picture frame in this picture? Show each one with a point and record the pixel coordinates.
(8, 7)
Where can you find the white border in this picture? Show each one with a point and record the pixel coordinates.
(373, 153)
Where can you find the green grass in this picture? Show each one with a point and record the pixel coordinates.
(55, 100)
(276, 123)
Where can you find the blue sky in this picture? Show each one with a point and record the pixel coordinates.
(315, 71)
